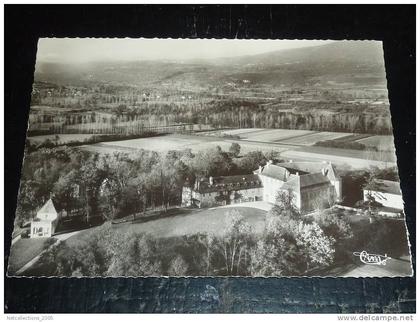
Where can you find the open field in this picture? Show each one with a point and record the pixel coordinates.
(187, 222)
(356, 154)
(315, 137)
(340, 161)
(178, 142)
(348, 158)
(273, 135)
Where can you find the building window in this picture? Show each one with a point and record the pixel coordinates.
(37, 231)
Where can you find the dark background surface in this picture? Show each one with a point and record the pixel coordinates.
(395, 25)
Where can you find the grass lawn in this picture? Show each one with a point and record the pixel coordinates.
(185, 222)
(25, 250)
(195, 221)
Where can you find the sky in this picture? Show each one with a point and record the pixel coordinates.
(83, 50)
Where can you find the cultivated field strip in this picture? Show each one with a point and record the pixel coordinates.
(242, 131)
(163, 144)
(274, 135)
(315, 137)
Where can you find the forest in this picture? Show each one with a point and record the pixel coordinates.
(108, 106)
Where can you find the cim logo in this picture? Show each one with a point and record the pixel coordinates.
(371, 259)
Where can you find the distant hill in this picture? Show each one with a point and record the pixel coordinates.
(358, 62)
(354, 52)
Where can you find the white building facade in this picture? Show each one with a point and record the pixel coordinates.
(313, 185)
(45, 222)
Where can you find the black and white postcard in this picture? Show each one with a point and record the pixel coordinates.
(193, 157)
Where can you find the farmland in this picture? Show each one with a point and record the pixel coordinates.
(291, 144)
(178, 142)
(275, 135)
(313, 138)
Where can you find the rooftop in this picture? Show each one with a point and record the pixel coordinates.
(276, 172)
(392, 187)
(307, 173)
(310, 167)
(237, 182)
(47, 211)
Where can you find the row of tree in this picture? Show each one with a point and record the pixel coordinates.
(317, 111)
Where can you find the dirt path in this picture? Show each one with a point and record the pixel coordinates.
(262, 205)
(59, 238)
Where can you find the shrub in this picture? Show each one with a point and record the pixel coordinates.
(352, 145)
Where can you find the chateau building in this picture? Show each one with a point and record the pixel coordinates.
(313, 185)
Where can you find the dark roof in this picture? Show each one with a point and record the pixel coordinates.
(310, 167)
(298, 175)
(313, 179)
(387, 186)
(275, 171)
(238, 182)
(293, 184)
(298, 182)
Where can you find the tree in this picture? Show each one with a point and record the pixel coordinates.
(234, 244)
(316, 248)
(370, 204)
(178, 267)
(212, 162)
(235, 149)
(110, 197)
(276, 253)
(333, 226)
(66, 191)
(272, 155)
(27, 202)
(285, 205)
(250, 161)
(131, 255)
(93, 173)
(207, 241)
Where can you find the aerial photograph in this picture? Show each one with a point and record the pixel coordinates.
(206, 157)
